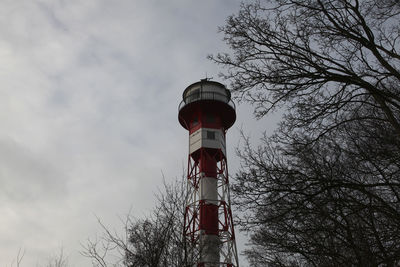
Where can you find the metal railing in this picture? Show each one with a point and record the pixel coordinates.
(197, 96)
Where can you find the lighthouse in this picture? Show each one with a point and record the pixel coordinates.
(207, 112)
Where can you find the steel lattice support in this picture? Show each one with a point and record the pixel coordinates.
(194, 204)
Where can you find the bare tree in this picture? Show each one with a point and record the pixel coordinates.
(318, 58)
(335, 203)
(59, 260)
(324, 189)
(19, 257)
(156, 240)
(111, 248)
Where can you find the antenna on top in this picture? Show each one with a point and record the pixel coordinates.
(206, 78)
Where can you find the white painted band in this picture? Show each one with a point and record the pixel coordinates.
(209, 190)
(210, 247)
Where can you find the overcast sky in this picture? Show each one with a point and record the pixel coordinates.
(89, 91)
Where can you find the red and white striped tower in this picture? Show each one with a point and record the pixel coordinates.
(207, 112)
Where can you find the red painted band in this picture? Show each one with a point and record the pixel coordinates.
(209, 218)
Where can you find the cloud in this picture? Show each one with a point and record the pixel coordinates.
(88, 111)
(26, 177)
